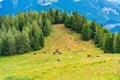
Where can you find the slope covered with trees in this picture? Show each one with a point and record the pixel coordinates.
(102, 37)
(26, 31)
(23, 33)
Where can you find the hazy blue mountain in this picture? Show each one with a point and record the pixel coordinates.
(103, 11)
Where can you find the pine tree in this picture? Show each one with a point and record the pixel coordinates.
(40, 23)
(93, 29)
(65, 15)
(1, 45)
(117, 43)
(52, 15)
(1, 21)
(58, 16)
(21, 20)
(35, 45)
(41, 39)
(22, 42)
(9, 44)
(67, 22)
(83, 21)
(108, 44)
(77, 22)
(25, 42)
(18, 42)
(85, 32)
(46, 28)
(101, 38)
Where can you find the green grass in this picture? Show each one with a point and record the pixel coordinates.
(74, 64)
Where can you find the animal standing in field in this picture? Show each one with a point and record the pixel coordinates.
(57, 51)
(58, 60)
(34, 53)
(97, 56)
(44, 52)
(54, 53)
(90, 56)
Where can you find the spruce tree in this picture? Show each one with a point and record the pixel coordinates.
(65, 15)
(46, 28)
(101, 38)
(21, 20)
(35, 37)
(52, 15)
(58, 16)
(96, 36)
(25, 42)
(85, 32)
(83, 21)
(93, 29)
(1, 45)
(67, 22)
(9, 44)
(18, 42)
(1, 21)
(117, 43)
(108, 44)
(41, 39)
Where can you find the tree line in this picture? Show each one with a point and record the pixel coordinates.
(103, 38)
(25, 32)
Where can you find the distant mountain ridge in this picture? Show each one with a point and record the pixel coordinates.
(103, 11)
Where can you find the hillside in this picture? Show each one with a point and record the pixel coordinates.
(80, 61)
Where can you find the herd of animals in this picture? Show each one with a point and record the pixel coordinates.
(59, 52)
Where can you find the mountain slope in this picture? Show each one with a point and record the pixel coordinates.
(73, 64)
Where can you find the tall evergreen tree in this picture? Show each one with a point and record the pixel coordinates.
(22, 42)
(52, 14)
(35, 37)
(46, 28)
(21, 20)
(25, 42)
(108, 44)
(65, 15)
(41, 39)
(117, 43)
(101, 38)
(58, 16)
(84, 20)
(77, 22)
(1, 45)
(85, 32)
(93, 29)
(9, 44)
(1, 21)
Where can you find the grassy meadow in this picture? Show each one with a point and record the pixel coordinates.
(82, 61)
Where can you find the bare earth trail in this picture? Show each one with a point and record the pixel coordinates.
(79, 60)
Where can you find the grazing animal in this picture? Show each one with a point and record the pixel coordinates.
(54, 53)
(90, 56)
(44, 52)
(34, 53)
(45, 60)
(58, 60)
(57, 51)
(97, 56)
